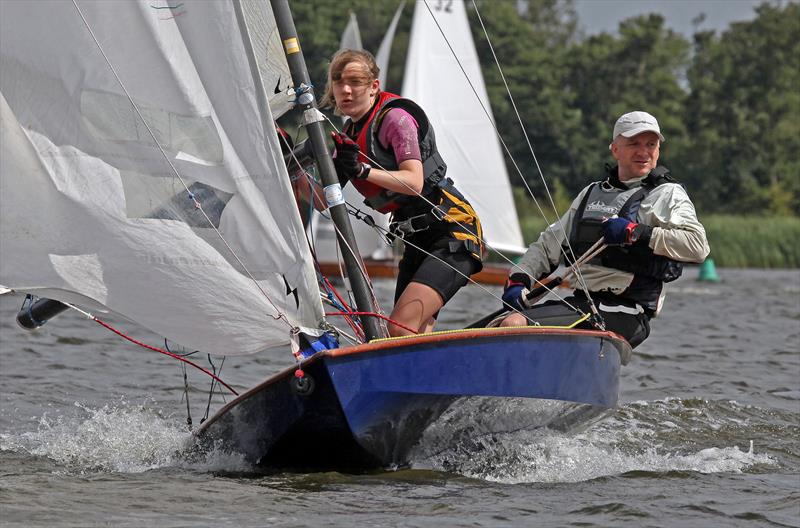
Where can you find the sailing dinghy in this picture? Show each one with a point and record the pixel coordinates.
(141, 175)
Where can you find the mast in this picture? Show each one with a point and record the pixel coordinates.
(312, 118)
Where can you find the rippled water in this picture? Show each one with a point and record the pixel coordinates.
(93, 432)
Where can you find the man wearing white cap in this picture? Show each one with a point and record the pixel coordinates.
(649, 224)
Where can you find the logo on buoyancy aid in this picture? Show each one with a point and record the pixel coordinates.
(598, 206)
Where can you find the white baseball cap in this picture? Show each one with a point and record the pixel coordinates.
(633, 123)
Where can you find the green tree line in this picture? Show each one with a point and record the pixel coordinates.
(728, 102)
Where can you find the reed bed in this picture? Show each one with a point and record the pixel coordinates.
(753, 242)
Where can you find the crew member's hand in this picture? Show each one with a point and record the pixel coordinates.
(346, 159)
(623, 232)
(515, 294)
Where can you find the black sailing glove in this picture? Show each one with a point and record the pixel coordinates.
(346, 160)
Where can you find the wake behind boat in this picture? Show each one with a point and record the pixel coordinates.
(161, 198)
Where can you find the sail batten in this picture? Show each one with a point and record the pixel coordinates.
(92, 212)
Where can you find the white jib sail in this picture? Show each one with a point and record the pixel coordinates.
(464, 135)
(92, 213)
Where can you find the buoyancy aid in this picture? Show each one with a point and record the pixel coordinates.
(610, 197)
(451, 211)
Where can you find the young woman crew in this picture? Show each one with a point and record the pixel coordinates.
(388, 152)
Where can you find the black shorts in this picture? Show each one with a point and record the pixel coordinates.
(446, 278)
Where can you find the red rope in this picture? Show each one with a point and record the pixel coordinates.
(373, 314)
(359, 332)
(170, 354)
(336, 293)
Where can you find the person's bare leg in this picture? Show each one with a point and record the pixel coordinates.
(515, 319)
(415, 309)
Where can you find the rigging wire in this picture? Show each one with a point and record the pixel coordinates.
(335, 300)
(516, 112)
(577, 272)
(502, 141)
(213, 382)
(479, 285)
(186, 383)
(351, 338)
(373, 314)
(486, 111)
(186, 395)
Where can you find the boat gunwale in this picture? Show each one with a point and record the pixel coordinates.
(619, 342)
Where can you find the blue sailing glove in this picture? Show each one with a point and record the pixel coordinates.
(623, 232)
(516, 291)
(346, 159)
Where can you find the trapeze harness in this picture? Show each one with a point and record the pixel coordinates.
(650, 271)
(451, 213)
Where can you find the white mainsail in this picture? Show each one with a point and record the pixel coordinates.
(464, 135)
(91, 211)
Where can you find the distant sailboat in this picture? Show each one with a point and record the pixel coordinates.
(351, 37)
(465, 137)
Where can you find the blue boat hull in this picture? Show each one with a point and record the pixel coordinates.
(371, 404)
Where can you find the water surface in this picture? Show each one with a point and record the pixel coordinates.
(93, 432)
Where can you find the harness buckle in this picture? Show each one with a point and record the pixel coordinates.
(438, 213)
(412, 225)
